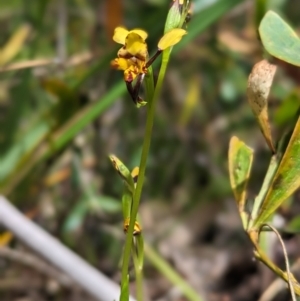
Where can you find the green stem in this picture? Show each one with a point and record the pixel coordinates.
(170, 274)
(138, 276)
(152, 100)
(263, 191)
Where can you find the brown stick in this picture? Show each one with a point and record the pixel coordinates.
(37, 264)
(72, 61)
(90, 279)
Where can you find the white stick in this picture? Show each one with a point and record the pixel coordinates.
(90, 279)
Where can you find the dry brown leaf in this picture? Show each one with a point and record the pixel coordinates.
(259, 85)
(237, 44)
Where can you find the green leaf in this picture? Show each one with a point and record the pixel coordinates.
(57, 140)
(22, 149)
(279, 39)
(105, 203)
(240, 162)
(76, 216)
(286, 179)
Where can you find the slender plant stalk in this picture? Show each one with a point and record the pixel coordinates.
(264, 189)
(138, 276)
(152, 98)
(170, 274)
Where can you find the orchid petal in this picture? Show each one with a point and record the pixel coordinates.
(120, 35)
(171, 38)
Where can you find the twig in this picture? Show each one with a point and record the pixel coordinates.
(17, 284)
(286, 259)
(62, 30)
(36, 263)
(74, 60)
(277, 285)
(90, 279)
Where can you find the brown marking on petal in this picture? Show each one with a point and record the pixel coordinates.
(114, 64)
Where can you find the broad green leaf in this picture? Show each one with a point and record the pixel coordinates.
(279, 39)
(286, 179)
(240, 162)
(259, 84)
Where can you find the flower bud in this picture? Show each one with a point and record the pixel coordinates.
(174, 16)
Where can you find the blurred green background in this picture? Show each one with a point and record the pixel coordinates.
(63, 110)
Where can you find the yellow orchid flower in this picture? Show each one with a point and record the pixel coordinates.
(121, 33)
(135, 46)
(134, 53)
(132, 67)
(121, 63)
(131, 73)
(133, 42)
(133, 57)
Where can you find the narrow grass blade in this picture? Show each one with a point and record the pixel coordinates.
(68, 131)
